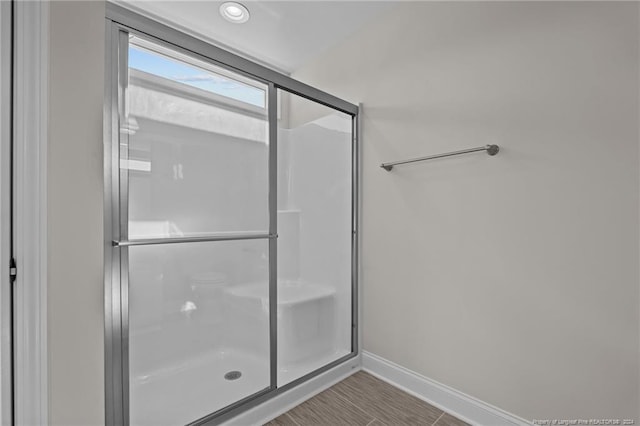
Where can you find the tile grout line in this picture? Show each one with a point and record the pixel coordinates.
(434, 423)
(291, 418)
(350, 402)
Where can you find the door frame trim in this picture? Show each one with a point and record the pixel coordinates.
(31, 76)
(6, 332)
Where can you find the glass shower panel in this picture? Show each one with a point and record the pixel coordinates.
(198, 328)
(194, 162)
(314, 236)
(196, 139)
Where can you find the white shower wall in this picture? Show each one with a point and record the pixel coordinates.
(208, 164)
(314, 213)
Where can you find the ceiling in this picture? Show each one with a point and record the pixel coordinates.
(281, 34)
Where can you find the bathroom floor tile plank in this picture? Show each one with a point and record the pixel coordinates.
(385, 402)
(449, 420)
(327, 408)
(363, 399)
(283, 420)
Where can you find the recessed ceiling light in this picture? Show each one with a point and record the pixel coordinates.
(234, 12)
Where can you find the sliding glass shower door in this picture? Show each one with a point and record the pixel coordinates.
(193, 158)
(231, 230)
(315, 234)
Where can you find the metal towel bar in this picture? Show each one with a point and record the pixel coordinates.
(491, 150)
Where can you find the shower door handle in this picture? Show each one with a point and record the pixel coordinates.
(198, 239)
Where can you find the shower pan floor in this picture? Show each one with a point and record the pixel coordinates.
(200, 384)
(206, 384)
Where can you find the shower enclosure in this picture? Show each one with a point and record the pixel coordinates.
(230, 224)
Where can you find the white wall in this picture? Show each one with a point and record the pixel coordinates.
(75, 167)
(511, 278)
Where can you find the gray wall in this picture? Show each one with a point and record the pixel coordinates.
(75, 264)
(511, 278)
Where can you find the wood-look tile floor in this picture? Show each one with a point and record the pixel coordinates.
(364, 400)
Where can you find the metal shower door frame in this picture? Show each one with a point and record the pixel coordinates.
(120, 23)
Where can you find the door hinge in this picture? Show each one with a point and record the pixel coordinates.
(13, 270)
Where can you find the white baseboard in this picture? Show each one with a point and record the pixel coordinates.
(456, 403)
(282, 403)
